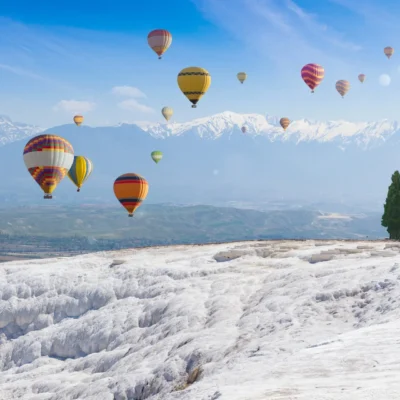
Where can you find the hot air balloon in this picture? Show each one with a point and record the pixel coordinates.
(242, 76)
(312, 75)
(130, 190)
(285, 122)
(80, 170)
(342, 87)
(167, 113)
(156, 156)
(388, 51)
(48, 159)
(244, 129)
(159, 40)
(361, 78)
(194, 83)
(78, 119)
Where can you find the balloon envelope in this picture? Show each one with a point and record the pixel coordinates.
(156, 155)
(78, 119)
(130, 190)
(167, 113)
(342, 87)
(244, 129)
(388, 51)
(242, 76)
(48, 159)
(285, 122)
(80, 171)
(194, 83)
(159, 40)
(361, 78)
(312, 75)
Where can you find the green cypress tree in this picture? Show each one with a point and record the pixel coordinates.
(391, 214)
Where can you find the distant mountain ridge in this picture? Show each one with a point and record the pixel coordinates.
(342, 133)
(11, 131)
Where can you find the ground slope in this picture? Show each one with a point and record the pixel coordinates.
(250, 320)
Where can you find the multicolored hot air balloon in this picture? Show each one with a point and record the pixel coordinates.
(361, 78)
(312, 75)
(388, 51)
(194, 83)
(167, 113)
(244, 129)
(78, 119)
(242, 76)
(48, 159)
(159, 40)
(285, 122)
(130, 190)
(80, 170)
(156, 155)
(342, 87)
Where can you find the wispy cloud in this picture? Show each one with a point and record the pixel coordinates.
(281, 29)
(134, 105)
(128, 91)
(74, 106)
(21, 72)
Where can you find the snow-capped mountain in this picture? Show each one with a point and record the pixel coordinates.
(11, 131)
(228, 123)
(235, 321)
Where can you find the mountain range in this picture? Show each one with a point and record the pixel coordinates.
(209, 159)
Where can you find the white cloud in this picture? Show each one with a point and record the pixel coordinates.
(384, 80)
(134, 105)
(74, 106)
(128, 91)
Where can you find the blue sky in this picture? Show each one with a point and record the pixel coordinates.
(56, 61)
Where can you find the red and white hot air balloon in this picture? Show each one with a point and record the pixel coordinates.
(159, 40)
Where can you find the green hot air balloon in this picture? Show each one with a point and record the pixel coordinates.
(156, 156)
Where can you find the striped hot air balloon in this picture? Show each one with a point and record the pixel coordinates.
(388, 51)
(48, 159)
(130, 190)
(78, 119)
(342, 87)
(312, 75)
(80, 170)
(242, 76)
(159, 40)
(194, 83)
(285, 122)
(361, 78)
(156, 155)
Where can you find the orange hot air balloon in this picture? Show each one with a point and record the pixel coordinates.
(285, 122)
(159, 40)
(361, 78)
(342, 87)
(78, 119)
(388, 51)
(130, 190)
(312, 75)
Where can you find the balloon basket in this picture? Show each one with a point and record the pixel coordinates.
(78, 190)
(47, 196)
(194, 106)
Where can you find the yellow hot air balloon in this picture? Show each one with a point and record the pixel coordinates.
(167, 113)
(388, 51)
(78, 119)
(342, 87)
(159, 40)
(194, 83)
(80, 170)
(361, 78)
(285, 122)
(242, 76)
(130, 190)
